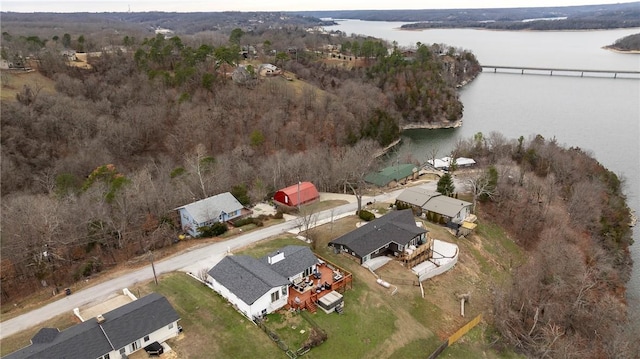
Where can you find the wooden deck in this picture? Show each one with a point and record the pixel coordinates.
(418, 255)
(307, 295)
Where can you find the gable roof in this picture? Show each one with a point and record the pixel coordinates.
(246, 277)
(416, 196)
(296, 260)
(432, 201)
(209, 208)
(397, 226)
(445, 162)
(90, 339)
(137, 319)
(445, 205)
(308, 192)
(391, 173)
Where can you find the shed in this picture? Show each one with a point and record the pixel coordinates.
(296, 195)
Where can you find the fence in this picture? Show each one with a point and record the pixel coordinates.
(455, 336)
(281, 344)
(274, 336)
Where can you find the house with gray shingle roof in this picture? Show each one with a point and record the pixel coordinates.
(390, 234)
(205, 212)
(299, 261)
(115, 334)
(451, 210)
(260, 286)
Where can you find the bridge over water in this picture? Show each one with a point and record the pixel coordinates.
(563, 72)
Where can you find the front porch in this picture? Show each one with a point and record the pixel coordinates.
(306, 293)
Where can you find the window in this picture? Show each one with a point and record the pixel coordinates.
(307, 272)
(275, 296)
(106, 356)
(146, 338)
(284, 290)
(123, 351)
(170, 326)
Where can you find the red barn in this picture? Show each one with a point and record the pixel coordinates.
(298, 194)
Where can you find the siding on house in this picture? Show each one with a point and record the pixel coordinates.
(260, 286)
(387, 234)
(219, 208)
(247, 280)
(124, 329)
(428, 201)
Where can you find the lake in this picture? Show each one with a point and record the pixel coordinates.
(600, 115)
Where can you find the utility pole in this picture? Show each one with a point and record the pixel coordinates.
(298, 195)
(155, 278)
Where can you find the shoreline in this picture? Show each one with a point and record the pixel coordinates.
(620, 51)
(429, 126)
(521, 30)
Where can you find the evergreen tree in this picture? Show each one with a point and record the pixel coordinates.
(445, 185)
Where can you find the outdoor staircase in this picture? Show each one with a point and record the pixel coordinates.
(339, 309)
(312, 307)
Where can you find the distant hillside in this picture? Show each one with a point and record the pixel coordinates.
(623, 15)
(179, 23)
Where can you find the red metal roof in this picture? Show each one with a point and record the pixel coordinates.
(291, 197)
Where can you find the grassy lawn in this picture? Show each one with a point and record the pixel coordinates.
(12, 83)
(263, 248)
(212, 328)
(22, 339)
(375, 323)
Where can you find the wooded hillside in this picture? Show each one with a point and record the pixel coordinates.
(570, 214)
(91, 173)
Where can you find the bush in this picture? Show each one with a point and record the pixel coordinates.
(278, 215)
(401, 205)
(244, 221)
(214, 230)
(366, 215)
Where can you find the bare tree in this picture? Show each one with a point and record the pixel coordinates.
(481, 184)
(354, 163)
(203, 275)
(433, 154)
(201, 164)
(306, 221)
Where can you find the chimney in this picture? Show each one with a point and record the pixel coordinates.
(276, 258)
(100, 319)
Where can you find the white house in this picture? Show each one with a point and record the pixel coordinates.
(257, 287)
(205, 212)
(269, 70)
(445, 162)
(144, 322)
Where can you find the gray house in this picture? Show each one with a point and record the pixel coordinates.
(113, 335)
(451, 210)
(391, 234)
(205, 212)
(260, 286)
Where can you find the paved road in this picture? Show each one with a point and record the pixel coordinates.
(191, 260)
